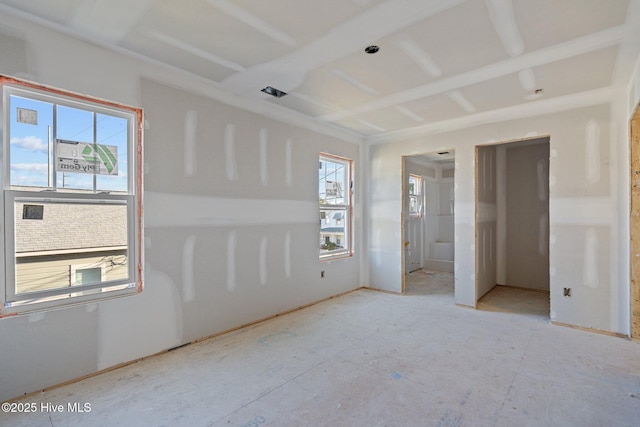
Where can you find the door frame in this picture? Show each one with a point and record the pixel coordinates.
(477, 213)
(434, 154)
(634, 225)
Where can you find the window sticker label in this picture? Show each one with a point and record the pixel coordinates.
(84, 157)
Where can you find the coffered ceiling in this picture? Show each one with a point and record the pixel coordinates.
(440, 62)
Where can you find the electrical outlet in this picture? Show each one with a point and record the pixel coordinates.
(567, 292)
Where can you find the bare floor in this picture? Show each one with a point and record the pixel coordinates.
(369, 359)
(516, 300)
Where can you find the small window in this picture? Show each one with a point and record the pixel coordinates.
(71, 198)
(85, 276)
(335, 193)
(415, 193)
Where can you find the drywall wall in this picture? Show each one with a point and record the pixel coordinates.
(486, 220)
(231, 216)
(527, 215)
(588, 185)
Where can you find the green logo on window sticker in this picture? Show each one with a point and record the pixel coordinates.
(100, 154)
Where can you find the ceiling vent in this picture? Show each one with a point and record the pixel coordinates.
(274, 92)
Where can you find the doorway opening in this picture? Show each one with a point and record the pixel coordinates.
(428, 224)
(512, 227)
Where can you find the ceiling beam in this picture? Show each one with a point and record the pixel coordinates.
(529, 109)
(572, 48)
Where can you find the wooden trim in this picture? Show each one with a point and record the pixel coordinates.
(384, 291)
(634, 224)
(138, 150)
(403, 239)
(597, 331)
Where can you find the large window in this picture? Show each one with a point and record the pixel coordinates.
(72, 187)
(334, 190)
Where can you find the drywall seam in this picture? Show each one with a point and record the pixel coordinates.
(504, 22)
(582, 211)
(287, 255)
(525, 110)
(288, 158)
(264, 245)
(592, 151)
(231, 261)
(231, 167)
(180, 210)
(188, 282)
(571, 48)
(590, 259)
(543, 232)
(190, 141)
(263, 142)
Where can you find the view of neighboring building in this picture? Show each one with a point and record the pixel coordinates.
(66, 244)
(332, 230)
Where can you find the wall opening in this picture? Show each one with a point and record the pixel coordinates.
(512, 227)
(428, 223)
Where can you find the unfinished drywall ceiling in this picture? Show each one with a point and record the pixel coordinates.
(439, 60)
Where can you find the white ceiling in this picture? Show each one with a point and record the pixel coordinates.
(440, 61)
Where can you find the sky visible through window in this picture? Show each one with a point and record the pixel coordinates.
(29, 144)
(332, 182)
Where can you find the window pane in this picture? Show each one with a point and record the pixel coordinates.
(413, 204)
(112, 133)
(414, 194)
(88, 276)
(85, 235)
(333, 224)
(334, 194)
(74, 124)
(332, 180)
(30, 123)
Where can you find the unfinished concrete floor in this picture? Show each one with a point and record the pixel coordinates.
(370, 358)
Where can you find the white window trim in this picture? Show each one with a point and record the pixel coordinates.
(347, 208)
(10, 303)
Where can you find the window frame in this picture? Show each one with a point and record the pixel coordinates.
(13, 302)
(346, 207)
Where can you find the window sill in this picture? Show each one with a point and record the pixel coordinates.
(51, 304)
(336, 257)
